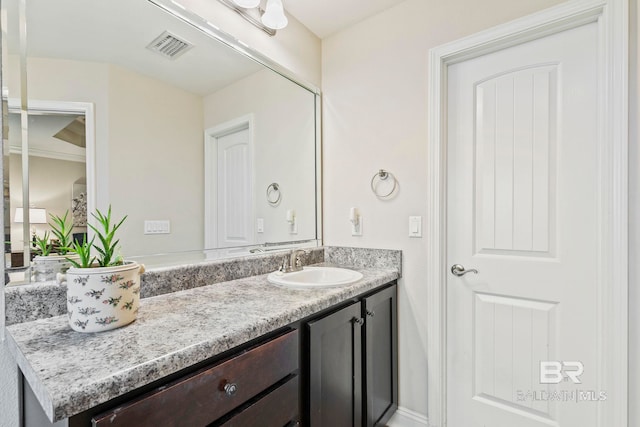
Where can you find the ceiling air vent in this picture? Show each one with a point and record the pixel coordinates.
(169, 45)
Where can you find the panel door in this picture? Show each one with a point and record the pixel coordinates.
(522, 180)
(234, 193)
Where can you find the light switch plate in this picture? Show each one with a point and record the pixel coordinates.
(157, 227)
(415, 226)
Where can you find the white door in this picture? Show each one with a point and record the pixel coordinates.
(522, 179)
(234, 190)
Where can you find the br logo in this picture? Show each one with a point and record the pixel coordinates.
(554, 372)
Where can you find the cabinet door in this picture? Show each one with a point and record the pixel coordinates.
(381, 356)
(335, 366)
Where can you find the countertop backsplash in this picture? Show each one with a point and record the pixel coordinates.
(34, 301)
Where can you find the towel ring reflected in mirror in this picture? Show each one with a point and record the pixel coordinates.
(380, 177)
(273, 194)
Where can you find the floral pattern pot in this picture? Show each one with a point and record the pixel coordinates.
(102, 298)
(46, 268)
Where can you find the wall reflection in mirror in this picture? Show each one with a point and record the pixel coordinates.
(131, 106)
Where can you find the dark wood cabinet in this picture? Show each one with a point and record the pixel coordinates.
(336, 368)
(352, 363)
(258, 387)
(380, 356)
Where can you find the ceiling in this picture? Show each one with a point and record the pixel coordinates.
(99, 31)
(95, 30)
(326, 17)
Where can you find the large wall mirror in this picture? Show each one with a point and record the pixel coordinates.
(206, 146)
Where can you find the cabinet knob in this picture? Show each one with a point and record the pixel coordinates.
(230, 389)
(371, 313)
(358, 321)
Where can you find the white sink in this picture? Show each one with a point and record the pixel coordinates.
(315, 278)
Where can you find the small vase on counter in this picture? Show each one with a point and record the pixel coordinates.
(103, 291)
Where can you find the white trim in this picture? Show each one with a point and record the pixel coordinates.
(15, 149)
(318, 166)
(404, 417)
(66, 107)
(612, 16)
(211, 136)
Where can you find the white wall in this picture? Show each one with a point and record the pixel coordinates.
(75, 81)
(374, 81)
(278, 149)
(155, 158)
(144, 129)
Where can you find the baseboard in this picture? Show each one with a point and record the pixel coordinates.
(407, 418)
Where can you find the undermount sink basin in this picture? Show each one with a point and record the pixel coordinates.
(315, 278)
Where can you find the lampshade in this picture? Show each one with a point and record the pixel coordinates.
(247, 4)
(36, 215)
(273, 16)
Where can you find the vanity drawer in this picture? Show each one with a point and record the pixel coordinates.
(276, 409)
(204, 396)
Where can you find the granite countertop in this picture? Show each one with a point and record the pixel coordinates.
(70, 372)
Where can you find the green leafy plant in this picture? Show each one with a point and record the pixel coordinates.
(62, 230)
(107, 244)
(83, 250)
(105, 232)
(43, 247)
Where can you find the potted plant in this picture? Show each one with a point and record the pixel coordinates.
(103, 290)
(52, 259)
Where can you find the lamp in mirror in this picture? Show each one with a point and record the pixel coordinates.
(36, 216)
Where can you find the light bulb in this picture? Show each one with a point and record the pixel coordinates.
(273, 16)
(247, 4)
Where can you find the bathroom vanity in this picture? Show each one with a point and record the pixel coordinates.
(239, 352)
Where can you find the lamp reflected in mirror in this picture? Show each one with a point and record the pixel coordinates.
(36, 216)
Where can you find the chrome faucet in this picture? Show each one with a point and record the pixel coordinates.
(292, 262)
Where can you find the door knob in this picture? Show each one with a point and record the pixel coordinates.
(458, 270)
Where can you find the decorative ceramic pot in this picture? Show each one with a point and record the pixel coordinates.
(46, 268)
(102, 298)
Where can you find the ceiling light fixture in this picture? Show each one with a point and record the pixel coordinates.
(269, 20)
(273, 16)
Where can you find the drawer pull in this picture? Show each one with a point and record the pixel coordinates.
(230, 389)
(371, 313)
(358, 321)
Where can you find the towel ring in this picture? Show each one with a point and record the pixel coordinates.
(383, 175)
(273, 194)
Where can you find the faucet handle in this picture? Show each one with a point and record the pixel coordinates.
(298, 253)
(284, 267)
